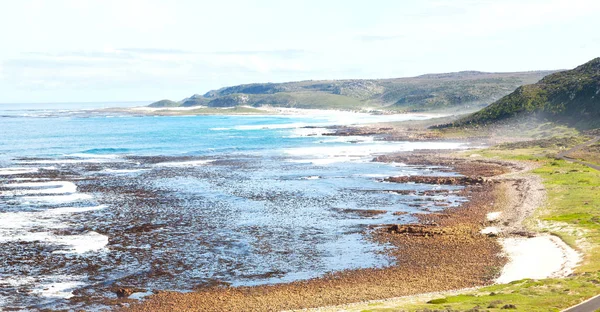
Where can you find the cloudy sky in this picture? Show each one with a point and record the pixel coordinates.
(128, 50)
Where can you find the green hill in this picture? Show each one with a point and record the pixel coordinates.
(461, 90)
(165, 103)
(571, 97)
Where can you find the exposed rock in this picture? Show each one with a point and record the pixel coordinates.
(438, 180)
(124, 292)
(415, 230)
(509, 306)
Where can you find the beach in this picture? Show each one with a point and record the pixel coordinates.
(450, 252)
(386, 212)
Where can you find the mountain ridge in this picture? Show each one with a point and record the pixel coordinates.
(571, 96)
(420, 93)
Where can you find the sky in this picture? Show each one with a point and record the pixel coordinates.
(147, 50)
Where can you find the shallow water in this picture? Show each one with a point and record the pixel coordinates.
(89, 202)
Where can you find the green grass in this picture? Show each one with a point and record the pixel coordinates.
(568, 96)
(456, 91)
(572, 212)
(525, 295)
(314, 100)
(574, 201)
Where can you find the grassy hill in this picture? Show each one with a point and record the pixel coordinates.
(571, 97)
(461, 90)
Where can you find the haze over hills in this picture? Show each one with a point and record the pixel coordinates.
(571, 97)
(454, 91)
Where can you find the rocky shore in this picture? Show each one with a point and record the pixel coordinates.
(444, 251)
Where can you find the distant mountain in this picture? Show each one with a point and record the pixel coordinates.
(422, 93)
(571, 96)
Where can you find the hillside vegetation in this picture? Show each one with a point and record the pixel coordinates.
(571, 97)
(459, 90)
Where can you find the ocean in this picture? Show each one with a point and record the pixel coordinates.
(92, 200)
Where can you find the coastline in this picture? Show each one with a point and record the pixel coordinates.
(488, 234)
(455, 240)
(382, 116)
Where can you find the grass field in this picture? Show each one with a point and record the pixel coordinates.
(572, 212)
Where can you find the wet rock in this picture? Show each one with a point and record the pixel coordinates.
(524, 234)
(124, 292)
(142, 228)
(415, 230)
(438, 180)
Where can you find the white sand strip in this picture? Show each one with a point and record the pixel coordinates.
(490, 230)
(537, 258)
(494, 216)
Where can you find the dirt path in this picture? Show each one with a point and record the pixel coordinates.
(565, 154)
(524, 193)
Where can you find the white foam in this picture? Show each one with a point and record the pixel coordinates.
(12, 224)
(39, 226)
(102, 156)
(65, 210)
(17, 282)
(354, 152)
(117, 171)
(14, 171)
(68, 161)
(537, 258)
(29, 179)
(82, 243)
(55, 199)
(327, 161)
(350, 139)
(140, 295)
(53, 187)
(273, 126)
(304, 132)
(184, 163)
(376, 175)
(59, 290)
(77, 244)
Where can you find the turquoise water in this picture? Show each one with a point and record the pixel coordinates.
(184, 202)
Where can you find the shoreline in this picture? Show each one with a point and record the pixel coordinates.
(261, 110)
(454, 241)
(522, 249)
(500, 199)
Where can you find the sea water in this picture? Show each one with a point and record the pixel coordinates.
(89, 200)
